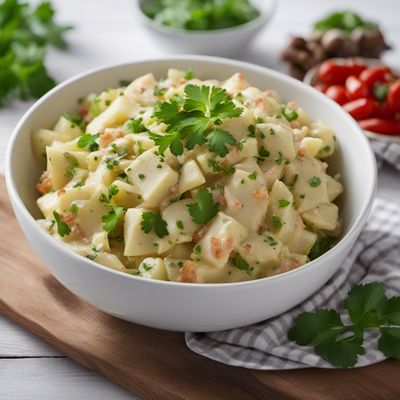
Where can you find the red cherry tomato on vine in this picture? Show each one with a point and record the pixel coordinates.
(393, 96)
(380, 125)
(337, 93)
(355, 88)
(332, 73)
(377, 74)
(360, 108)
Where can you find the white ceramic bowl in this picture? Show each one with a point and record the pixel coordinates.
(183, 306)
(220, 42)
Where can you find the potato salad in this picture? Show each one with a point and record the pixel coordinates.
(189, 180)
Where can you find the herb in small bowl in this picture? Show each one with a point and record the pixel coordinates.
(213, 27)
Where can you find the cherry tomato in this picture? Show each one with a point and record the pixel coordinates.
(332, 73)
(355, 88)
(377, 74)
(393, 97)
(382, 110)
(360, 108)
(380, 125)
(337, 93)
(321, 87)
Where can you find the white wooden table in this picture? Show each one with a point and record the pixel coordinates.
(106, 32)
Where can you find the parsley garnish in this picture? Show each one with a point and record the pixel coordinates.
(340, 344)
(112, 218)
(112, 191)
(253, 176)
(159, 91)
(195, 122)
(216, 167)
(283, 203)
(62, 228)
(189, 74)
(179, 224)
(75, 119)
(321, 246)
(263, 152)
(241, 264)
(277, 222)
(88, 141)
(279, 159)
(204, 210)
(153, 221)
(314, 181)
(290, 115)
(73, 164)
(136, 125)
(74, 209)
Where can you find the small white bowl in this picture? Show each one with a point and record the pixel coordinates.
(311, 77)
(185, 306)
(219, 42)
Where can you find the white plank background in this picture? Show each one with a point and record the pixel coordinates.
(106, 32)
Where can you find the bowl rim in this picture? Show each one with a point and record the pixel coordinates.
(18, 204)
(264, 16)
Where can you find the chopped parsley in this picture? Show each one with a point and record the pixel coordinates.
(283, 203)
(112, 219)
(240, 263)
(290, 115)
(189, 74)
(160, 91)
(204, 209)
(112, 191)
(62, 228)
(271, 240)
(277, 222)
(263, 152)
(136, 125)
(314, 181)
(88, 141)
(75, 119)
(73, 164)
(253, 176)
(252, 131)
(152, 221)
(74, 209)
(179, 224)
(197, 249)
(216, 167)
(141, 176)
(279, 159)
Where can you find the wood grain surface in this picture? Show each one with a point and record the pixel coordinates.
(151, 363)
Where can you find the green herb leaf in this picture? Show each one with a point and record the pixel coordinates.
(321, 246)
(204, 209)
(277, 222)
(135, 125)
(153, 221)
(314, 181)
(218, 140)
(62, 228)
(240, 263)
(344, 20)
(88, 141)
(290, 115)
(112, 219)
(283, 203)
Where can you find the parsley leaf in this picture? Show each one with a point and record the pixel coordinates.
(135, 125)
(290, 115)
(314, 181)
(283, 203)
(62, 228)
(341, 344)
(240, 263)
(321, 246)
(204, 210)
(74, 119)
(153, 221)
(112, 218)
(88, 141)
(218, 141)
(195, 121)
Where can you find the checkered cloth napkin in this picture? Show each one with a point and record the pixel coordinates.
(374, 257)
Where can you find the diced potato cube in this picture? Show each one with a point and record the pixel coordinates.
(323, 216)
(153, 268)
(334, 187)
(62, 165)
(302, 241)
(141, 90)
(103, 175)
(272, 171)
(152, 176)
(139, 243)
(261, 252)
(181, 226)
(246, 196)
(128, 196)
(190, 177)
(94, 159)
(235, 83)
(66, 127)
(47, 204)
(311, 146)
(321, 131)
(110, 260)
(223, 236)
(100, 241)
(238, 127)
(45, 137)
(141, 143)
(278, 141)
(116, 114)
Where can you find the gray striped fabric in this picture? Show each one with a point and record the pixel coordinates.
(375, 257)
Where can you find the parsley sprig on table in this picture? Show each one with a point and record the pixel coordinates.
(24, 34)
(196, 121)
(340, 344)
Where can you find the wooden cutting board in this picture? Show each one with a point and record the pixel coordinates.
(151, 363)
